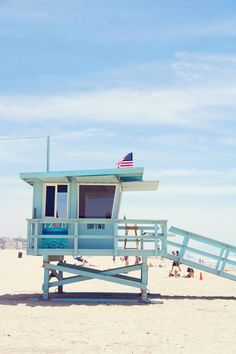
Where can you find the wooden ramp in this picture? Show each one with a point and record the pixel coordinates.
(203, 253)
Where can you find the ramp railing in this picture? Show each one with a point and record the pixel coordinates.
(203, 253)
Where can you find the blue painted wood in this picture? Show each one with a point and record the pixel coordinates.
(218, 256)
(37, 200)
(113, 275)
(144, 278)
(116, 206)
(83, 241)
(73, 199)
(75, 279)
(199, 252)
(124, 174)
(46, 281)
(106, 237)
(198, 237)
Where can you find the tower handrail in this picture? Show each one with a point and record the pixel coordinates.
(224, 255)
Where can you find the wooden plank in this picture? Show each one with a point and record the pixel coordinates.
(101, 276)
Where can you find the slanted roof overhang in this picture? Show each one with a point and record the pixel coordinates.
(112, 175)
(139, 186)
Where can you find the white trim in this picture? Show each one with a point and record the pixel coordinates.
(119, 201)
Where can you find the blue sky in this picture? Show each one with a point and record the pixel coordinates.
(104, 78)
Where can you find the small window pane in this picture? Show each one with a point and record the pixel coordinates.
(61, 201)
(96, 201)
(62, 188)
(50, 198)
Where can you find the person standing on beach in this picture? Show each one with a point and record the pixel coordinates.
(126, 258)
(175, 263)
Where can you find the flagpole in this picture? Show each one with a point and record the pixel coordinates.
(48, 153)
(34, 137)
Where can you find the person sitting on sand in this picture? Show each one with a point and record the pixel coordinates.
(175, 274)
(190, 273)
(81, 259)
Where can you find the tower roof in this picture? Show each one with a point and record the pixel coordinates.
(129, 178)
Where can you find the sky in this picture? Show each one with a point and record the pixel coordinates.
(104, 78)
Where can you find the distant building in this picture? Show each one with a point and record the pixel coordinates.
(12, 243)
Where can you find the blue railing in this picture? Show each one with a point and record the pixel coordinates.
(202, 253)
(130, 237)
(119, 237)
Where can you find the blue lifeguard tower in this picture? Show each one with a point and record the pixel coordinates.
(76, 213)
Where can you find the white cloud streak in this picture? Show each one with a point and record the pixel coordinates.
(224, 28)
(173, 106)
(197, 190)
(185, 172)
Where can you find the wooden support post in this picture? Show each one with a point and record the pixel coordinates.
(60, 287)
(144, 279)
(164, 239)
(156, 238)
(45, 284)
(29, 235)
(115, 240)
(76, 230)
(36, 238)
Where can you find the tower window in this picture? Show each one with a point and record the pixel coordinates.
(96, 201)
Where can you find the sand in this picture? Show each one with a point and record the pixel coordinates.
(198, 316)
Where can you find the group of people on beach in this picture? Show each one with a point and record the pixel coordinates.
(138, 260)
(176, 270)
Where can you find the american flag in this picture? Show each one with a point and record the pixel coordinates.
(127, 161)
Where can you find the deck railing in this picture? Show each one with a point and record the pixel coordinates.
(54, 235)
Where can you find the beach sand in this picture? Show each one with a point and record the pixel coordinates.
(198, 316)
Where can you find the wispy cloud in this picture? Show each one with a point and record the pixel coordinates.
(172, 106)
(224, 28)
(19, 10)
(207, 68)
(191, 172)
(85, 134)
(84, 148)
(228, 141)
(197, 190)
(194, 182)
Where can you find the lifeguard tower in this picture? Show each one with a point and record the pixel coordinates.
(76, 213)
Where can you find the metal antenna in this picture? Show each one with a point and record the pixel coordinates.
(34, 137)
(48, 153)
